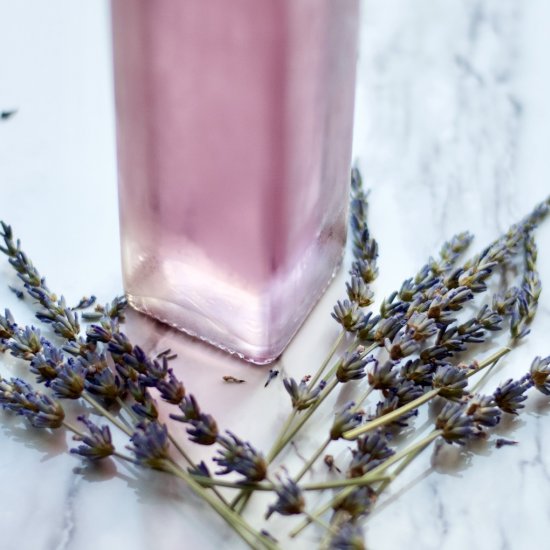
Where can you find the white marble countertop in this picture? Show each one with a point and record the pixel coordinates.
(453, 127)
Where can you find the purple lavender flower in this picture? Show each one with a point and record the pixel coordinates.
(240, 457)
(150, 444)
(484, 411)
(171, 389)
(509, 396)
(540, 374)
(45, 364)
(347, 314)
(357, 503)
(352, 365)
(371, 450)
(456, 426)
(451, 381)
(290, 500)
(348, 537)
(70, 380)
(97, 444)
(203, 430)
(345, 420)
(302, 397)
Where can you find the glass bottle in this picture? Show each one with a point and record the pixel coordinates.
(234, 130)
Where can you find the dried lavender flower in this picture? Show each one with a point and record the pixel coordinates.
(273, 373)
(85, 302)
(302, 397)
(348, 537)
(509, 396)
(455, 424)
(503, 303)
(382, 377)
(359, 292)
(363, 268)
(406, 391)
(402, 346)
(451, 381)
(347, 314)
(147, 408)
(364, 247)
(97, 445)
(203, 430)
(418, 372)
(45, 364)
(104, 383)
(352, 365)
(371, 450)
(290, 500)
(7, 325)
(150, 444)
(420, 327)
(25, 343)
(540, 374)
(40, 410)
(200, 469)
(451, 250)
(171, 389)
(357, 503)
(347, 419)
(190, 409)
(70, 380)
(484, 411)
(240, 457)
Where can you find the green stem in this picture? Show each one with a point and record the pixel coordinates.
(312, 460)
(236, 522)
(76, 431)
(362, 400)
(367, 479)
(490, 360)
(301, 421)
(327, 359)
(240, 500)
(401, 466)
(390, 417)
(394, 415)
(311, 384)
(422, 444)
(102, 410)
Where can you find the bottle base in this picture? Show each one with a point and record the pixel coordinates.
(193, 323)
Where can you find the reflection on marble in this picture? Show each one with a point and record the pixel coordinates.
(453, 126)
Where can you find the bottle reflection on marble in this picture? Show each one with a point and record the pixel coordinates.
(234, 127)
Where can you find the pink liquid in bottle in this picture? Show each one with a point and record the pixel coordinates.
(234, 127)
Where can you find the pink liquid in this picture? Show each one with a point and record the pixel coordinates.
(234, 121)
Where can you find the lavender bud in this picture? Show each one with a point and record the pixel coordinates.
(352, 366)
(171, 390)
(345, 420)
(484, 411)
(97, 445)
(240, 457)
(540, 374)
(70, 380)
(347, 314)
(290, 500)
(150, 444)
(509, 396)
(456, 426)
(451, 381)
(204, 430)
(302, 397)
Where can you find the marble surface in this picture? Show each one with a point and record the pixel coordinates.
(452, 133)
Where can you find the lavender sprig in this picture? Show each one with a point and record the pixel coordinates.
(97, 444)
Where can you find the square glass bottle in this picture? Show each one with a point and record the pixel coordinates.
(234, 130)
